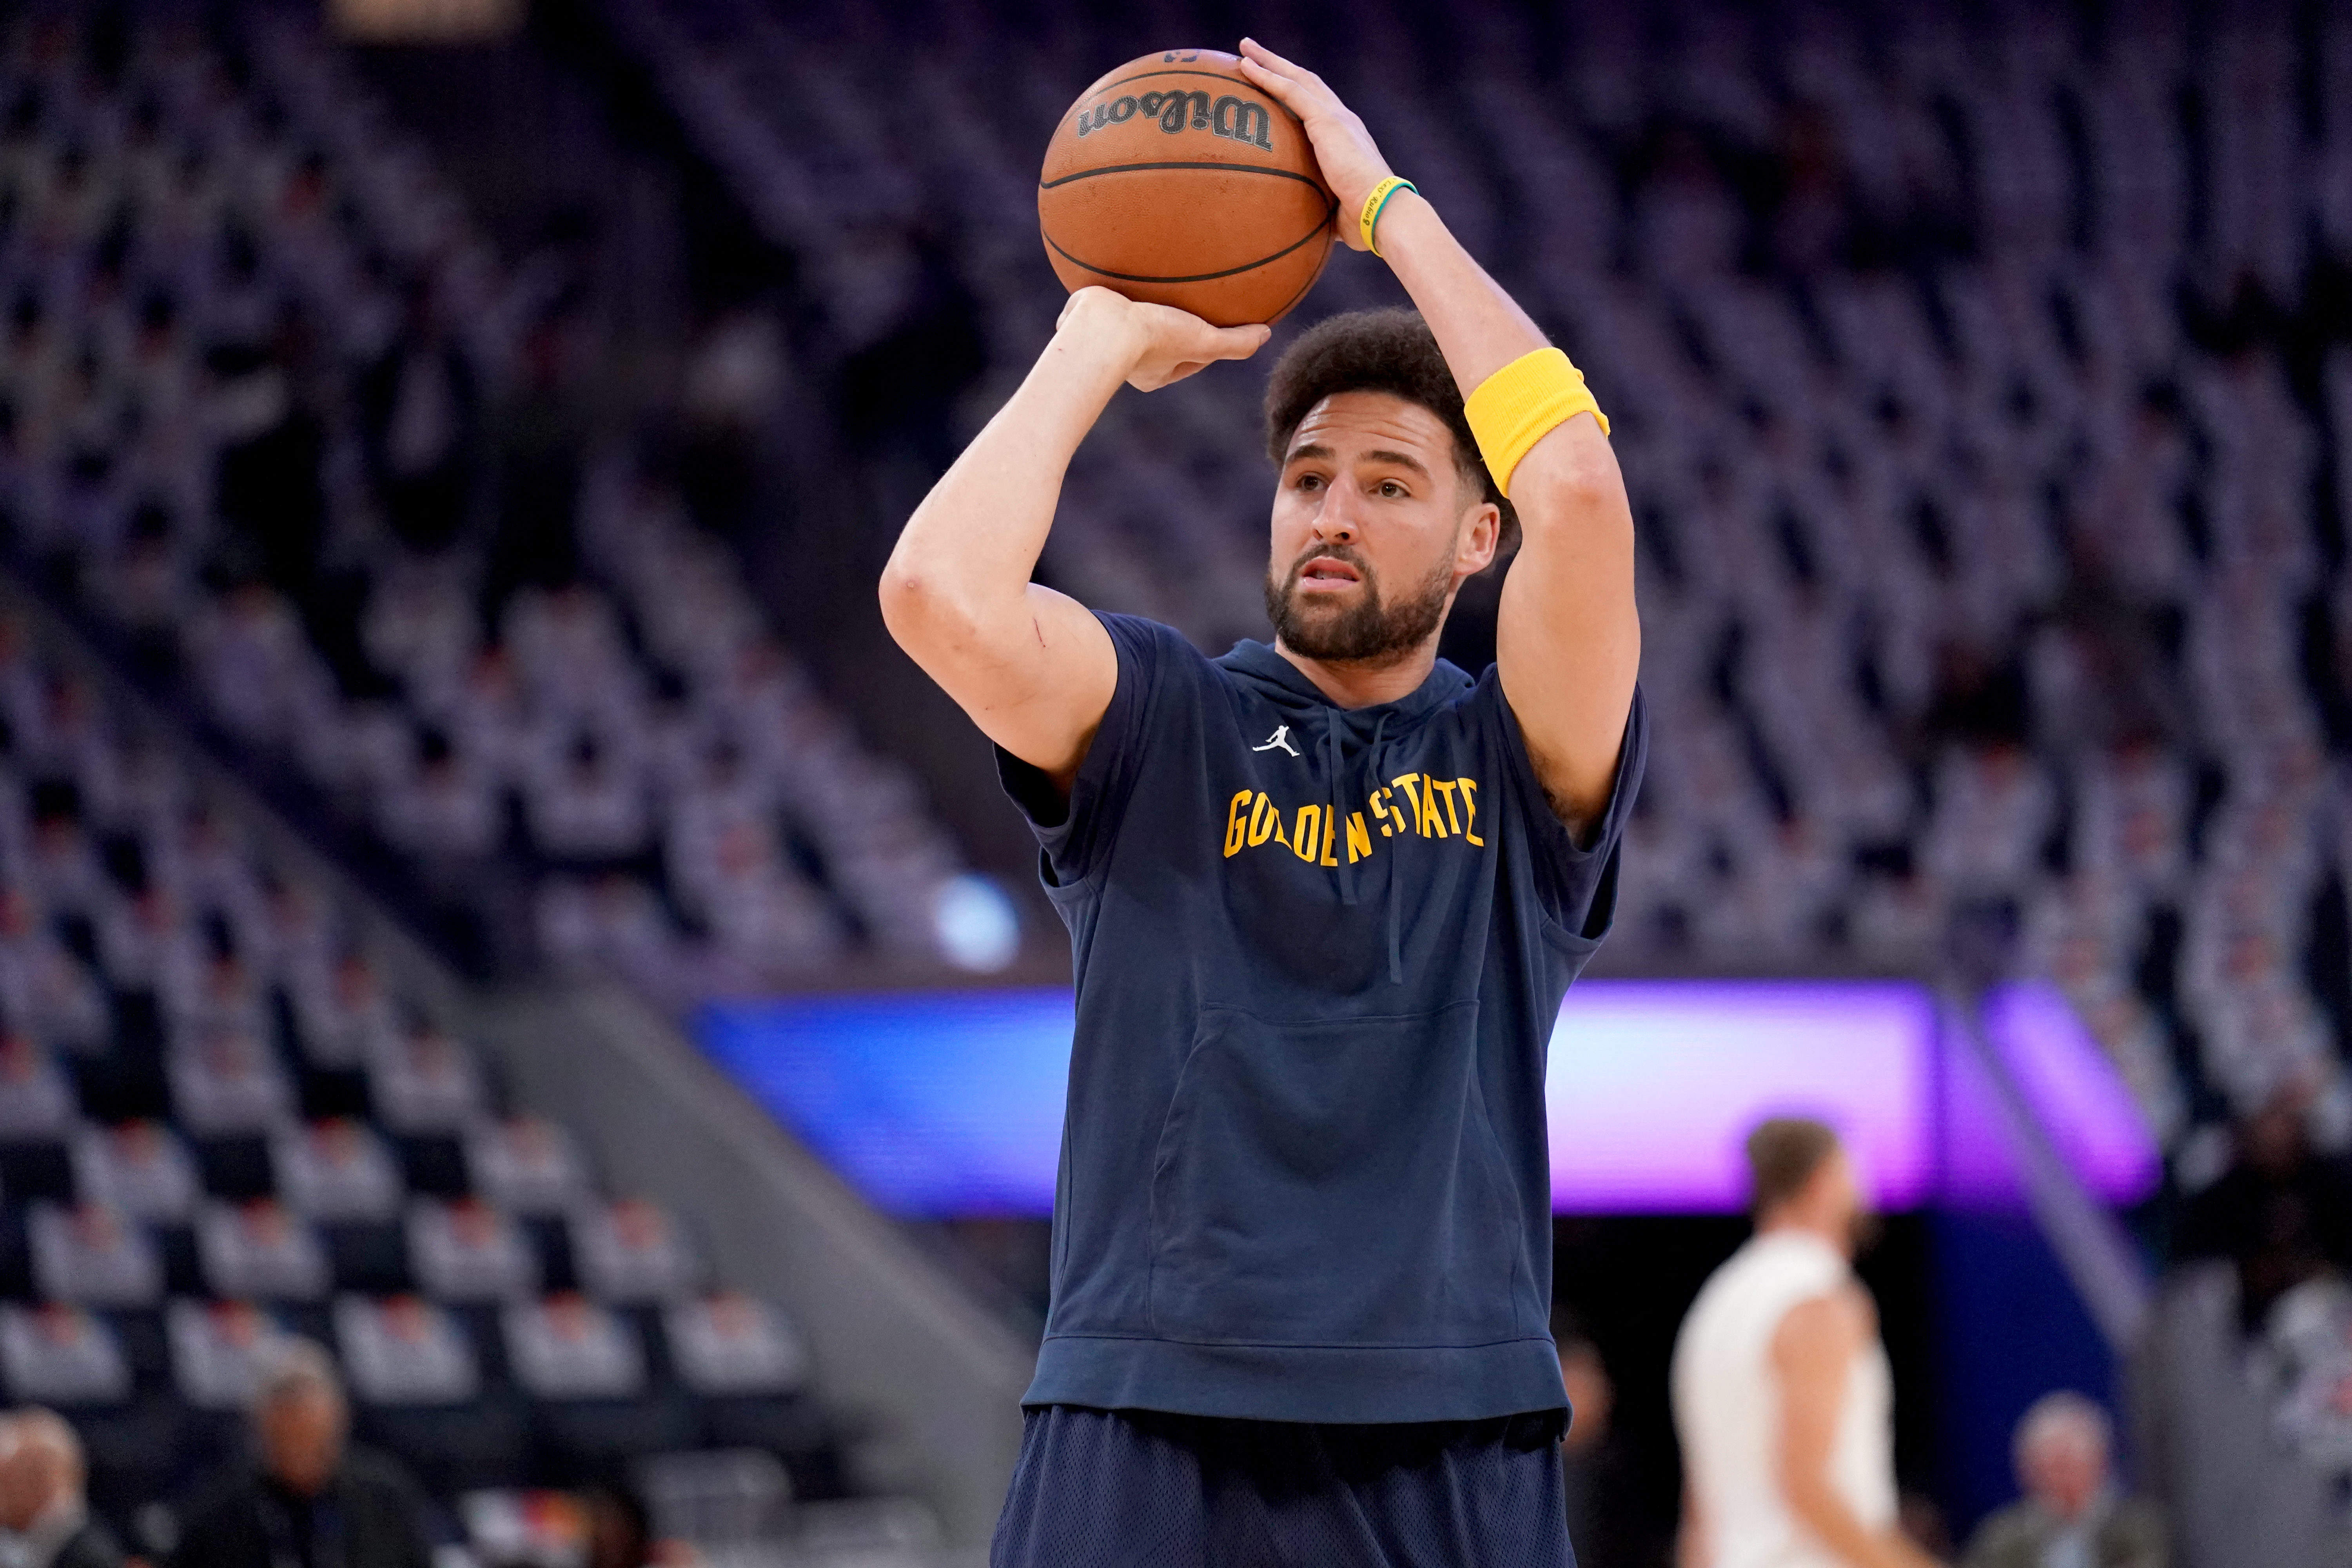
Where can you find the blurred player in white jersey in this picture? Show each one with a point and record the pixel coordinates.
(1783, 1396)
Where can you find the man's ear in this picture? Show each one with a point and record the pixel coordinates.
(1476, 541)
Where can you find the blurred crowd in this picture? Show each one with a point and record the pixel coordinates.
(272, 411)
(1979, 380)
(232, 1150)
(1982, 403)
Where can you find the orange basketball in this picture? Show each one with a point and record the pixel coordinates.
(1173, 180)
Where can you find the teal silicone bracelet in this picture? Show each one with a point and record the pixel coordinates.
(1372, 229)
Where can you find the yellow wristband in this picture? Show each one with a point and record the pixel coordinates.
(1367, 219)
(1518, 405)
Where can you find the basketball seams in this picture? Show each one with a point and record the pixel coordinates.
(1322, 225)
(1283, 309)
(1061, 180)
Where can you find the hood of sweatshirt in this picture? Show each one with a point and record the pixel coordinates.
(1258, 666)
(1347, 748)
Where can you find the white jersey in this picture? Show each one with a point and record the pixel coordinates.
(1728, 1407)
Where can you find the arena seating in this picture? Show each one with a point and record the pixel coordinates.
(1984, 412)
(1982, 382)
(1989, 508)
(250, 341)
(219, 1124)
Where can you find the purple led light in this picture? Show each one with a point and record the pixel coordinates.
(952, 1104)
(1654, 1084)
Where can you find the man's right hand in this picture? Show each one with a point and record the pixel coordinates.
(1155, 346)
(1034, 668)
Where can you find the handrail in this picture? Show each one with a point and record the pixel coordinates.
(2096, 1252)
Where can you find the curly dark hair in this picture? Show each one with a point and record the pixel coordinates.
(1389, 350)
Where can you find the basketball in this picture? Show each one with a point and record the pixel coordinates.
(1173, 180)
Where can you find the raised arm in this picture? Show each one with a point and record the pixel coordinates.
(1032, 667)
(1567, 641)
(1812, 1355)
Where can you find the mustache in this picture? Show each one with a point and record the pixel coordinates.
(1348, 553)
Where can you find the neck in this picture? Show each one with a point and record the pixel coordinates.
(1366, 683)
(1789, 1222)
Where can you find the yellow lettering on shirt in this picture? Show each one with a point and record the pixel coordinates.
(1236, 824)
(1446, 787)
(1410, 784)
(1315, 832)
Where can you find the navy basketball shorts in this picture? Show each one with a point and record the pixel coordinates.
(1140, 1488)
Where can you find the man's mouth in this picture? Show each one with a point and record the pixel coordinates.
(1324, 574)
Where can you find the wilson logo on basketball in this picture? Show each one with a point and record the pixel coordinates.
(1236, 118)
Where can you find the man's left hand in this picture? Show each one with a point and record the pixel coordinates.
(1351, 162)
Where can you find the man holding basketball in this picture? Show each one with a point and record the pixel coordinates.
(1326, 897)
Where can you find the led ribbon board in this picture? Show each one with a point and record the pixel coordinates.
(939, 1104)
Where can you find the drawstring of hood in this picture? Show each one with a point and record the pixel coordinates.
(1376, 760)
(1347, 855)
(1368, 780)
(1286, 687)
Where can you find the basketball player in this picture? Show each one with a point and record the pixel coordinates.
(1325, 896)
(1781, 1394)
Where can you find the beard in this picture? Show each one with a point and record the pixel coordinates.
(1369, 631)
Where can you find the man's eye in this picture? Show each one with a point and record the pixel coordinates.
(1392, 489)
(1310, 481)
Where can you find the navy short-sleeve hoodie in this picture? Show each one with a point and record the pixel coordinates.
(1319, 952)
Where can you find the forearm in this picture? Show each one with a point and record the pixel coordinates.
(1567, 636)
(1479, 328)
(969, 550)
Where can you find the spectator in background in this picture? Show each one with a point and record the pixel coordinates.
(537, 450)
(418, 416)
(1592, 1458)
(2281, 1212)
(306, 1500)
(41, 1503)
(2071, 1516)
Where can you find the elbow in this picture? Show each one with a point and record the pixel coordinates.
(909, 602)
(1584, 487)
(921, 611)
(1582, 493)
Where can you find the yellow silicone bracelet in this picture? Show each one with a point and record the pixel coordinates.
(1369, 217)
(1519, 405)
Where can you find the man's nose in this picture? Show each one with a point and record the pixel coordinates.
(1335, 520)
